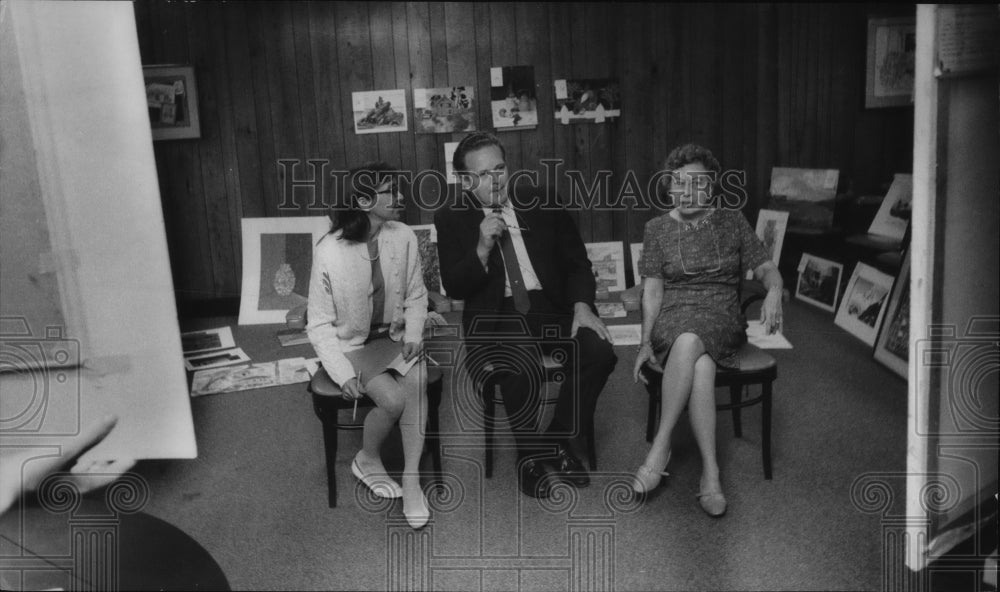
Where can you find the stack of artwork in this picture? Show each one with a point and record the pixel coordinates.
(874, 306)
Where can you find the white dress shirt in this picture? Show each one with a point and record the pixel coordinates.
(524, 262)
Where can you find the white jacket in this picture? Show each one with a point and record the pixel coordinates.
(340, 295)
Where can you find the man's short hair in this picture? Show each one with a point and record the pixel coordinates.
(471, 143)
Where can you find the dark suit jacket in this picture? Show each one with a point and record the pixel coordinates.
(557, 254)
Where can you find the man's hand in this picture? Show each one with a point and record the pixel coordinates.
(584, 317)
(21, 472)
(490, 230)
(412, 349)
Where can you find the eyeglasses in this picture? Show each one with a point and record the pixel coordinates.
(718, 254)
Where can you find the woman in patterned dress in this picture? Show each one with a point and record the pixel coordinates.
(367, 306)
(693, 259)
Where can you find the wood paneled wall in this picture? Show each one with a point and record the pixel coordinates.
(761, 85)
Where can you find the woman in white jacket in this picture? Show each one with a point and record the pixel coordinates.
(367, 307)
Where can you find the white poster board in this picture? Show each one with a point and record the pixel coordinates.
(81, 106)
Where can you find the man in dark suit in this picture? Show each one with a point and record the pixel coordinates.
(523, 264)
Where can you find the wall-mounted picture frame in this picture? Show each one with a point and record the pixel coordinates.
(892, 44)
(819, 281)
(172, 101)
(892, 347)
(277, 265)
(863, 305)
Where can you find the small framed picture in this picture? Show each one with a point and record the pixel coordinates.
(863, 305)
(771, 225)
(892, 347)
(379, 111)
(892, 44)
(819, 282)
(608, 261)
(172, 100)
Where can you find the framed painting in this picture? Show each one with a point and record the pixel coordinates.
(277, 264)
(608, 261)
(818, 282)
(172, 101)
(892, 44)
(863, 304)
(771, 225)
(892, 347)
(427, 240)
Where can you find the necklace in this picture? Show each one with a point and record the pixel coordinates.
(373, 251)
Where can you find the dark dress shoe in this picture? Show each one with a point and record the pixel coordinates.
(536, 479)
(570, 469)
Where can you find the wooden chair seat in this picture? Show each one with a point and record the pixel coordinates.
(328, 402)
(753, 366)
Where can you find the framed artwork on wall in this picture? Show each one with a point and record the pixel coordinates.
(172, 100)
(892, 44)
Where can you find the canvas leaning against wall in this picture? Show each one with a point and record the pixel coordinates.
(277, 262)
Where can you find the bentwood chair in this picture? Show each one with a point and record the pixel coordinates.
(753, 367)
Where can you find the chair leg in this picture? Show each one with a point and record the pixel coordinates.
(433, 439)
(591, 448)
(328, 417)
(765, 436)
(489, 415)
(653, 410)
(735, 396)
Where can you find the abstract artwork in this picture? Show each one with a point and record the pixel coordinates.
(277, 262)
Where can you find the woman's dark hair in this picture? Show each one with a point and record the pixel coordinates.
(349, 214)
(471, 143)
(685, 155)
(689, 153)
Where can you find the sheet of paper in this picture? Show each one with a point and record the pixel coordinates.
(626, 334)
(266, 374)
(196, 342)
(757, 335)
(611, 310)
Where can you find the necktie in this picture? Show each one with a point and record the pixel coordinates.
(517, 290)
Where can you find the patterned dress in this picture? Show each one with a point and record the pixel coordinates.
(701, 266)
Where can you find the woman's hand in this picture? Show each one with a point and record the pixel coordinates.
(353, 389)
(645, 355)
(770, 311)
(412, 349)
